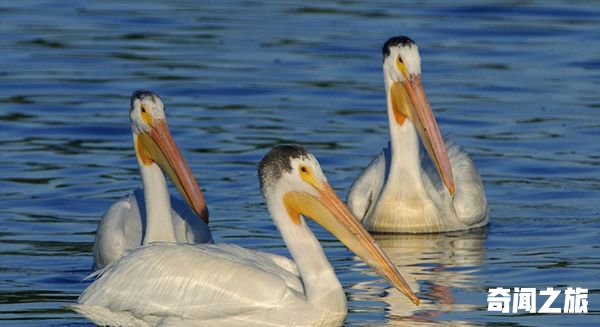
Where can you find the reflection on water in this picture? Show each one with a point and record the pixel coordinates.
(515, 82)
(433, 265)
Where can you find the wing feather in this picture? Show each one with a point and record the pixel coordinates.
(121, 227)
(117, 231)
(192, 282)
(470, 202)
(367, 186)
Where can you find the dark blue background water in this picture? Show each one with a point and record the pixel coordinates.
(516, 82)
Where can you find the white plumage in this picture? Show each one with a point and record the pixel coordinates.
(188, 285)
(174, 284)
(151, 214)
(403, 190)
(122, 227)
(428, 209)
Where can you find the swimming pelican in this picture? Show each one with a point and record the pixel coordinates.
(173, 284)
(399, 191)
(138, 220)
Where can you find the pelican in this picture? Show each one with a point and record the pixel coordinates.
(175, 284)
(146, 215)
(401, 190)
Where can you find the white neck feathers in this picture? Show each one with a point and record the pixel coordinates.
(159, 222)
(405, 160)
(321, 286)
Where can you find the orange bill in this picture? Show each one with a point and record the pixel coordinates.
(330, 212)
(160, 147)
(408, 99)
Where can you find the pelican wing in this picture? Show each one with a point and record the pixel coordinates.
(469, 202)
(366, 188)
(189, 228)
(121, 227)
(188, 282)
(284, 262)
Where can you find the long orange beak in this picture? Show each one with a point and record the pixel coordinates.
(409, 100)
(330, 212)
(158, 146)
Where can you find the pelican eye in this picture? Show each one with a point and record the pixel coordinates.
(303, 169)
(402, 67)
(307, 175)
(146, 115)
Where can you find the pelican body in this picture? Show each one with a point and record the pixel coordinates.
(402, 190)
(174, 284)
(151, 214)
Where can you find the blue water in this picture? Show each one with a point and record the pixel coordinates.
(516, 82)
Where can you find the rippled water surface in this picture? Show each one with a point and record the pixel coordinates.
(516, 82)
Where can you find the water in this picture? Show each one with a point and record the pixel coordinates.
(517, 83)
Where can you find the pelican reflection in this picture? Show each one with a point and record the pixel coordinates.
(439, 267)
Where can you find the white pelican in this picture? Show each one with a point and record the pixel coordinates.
(174, 284)
(138, 220)
(400, 190)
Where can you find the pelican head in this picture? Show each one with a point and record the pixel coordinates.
(292, 176)
(406, 99)
(155, 145)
